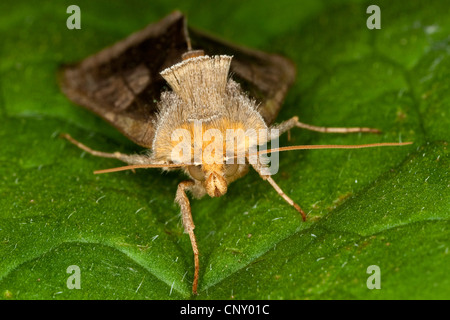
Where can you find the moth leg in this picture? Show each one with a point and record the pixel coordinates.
(130, 159)
(188, 223)
(293, 122)
(281, 192)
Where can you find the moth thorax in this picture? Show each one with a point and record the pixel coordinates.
(192, 54)
(200, 81)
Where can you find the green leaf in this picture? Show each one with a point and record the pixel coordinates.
(387, 207)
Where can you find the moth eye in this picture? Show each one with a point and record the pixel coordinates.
(230, 169)
(197, 172)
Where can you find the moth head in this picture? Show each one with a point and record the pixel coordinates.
(215, 177)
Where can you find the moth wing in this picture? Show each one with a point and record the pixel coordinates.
(122, 84)
(264, 76)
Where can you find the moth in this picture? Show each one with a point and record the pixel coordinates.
(128, 84)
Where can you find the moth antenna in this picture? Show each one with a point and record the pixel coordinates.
(335, 146)
(139, 166)
(186, 34)
(190, 53)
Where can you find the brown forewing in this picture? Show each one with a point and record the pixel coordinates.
(122, 83)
